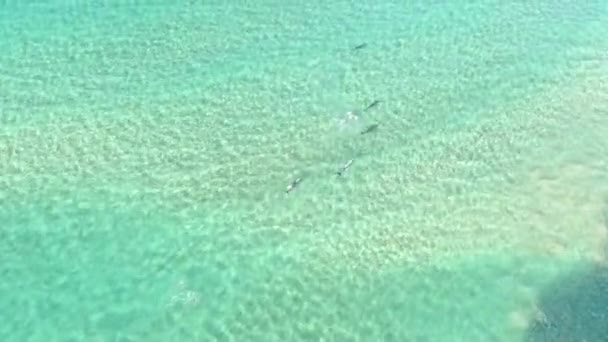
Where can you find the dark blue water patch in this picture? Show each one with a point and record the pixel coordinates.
(573, 308)
(465, 300)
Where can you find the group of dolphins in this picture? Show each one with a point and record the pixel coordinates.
(292, 186)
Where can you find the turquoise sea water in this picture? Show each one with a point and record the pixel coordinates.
(145, 148)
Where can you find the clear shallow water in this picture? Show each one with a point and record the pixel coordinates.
(145, 149)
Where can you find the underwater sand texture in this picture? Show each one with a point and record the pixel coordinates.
(145, 151)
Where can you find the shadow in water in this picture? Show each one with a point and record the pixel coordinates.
(575, 308)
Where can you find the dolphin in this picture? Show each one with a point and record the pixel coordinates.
(372, 105)
(293, 185)
(370, 128)
(345, 167)
(360, 46)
